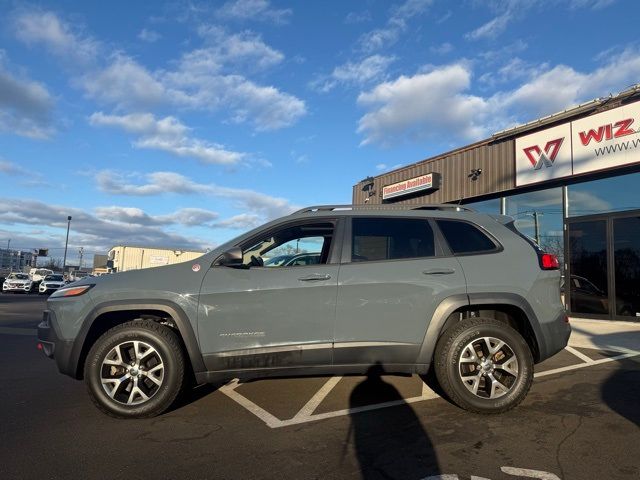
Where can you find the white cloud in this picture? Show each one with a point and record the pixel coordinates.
(149, 36)
(26, 106)
(245, 49)
(210, 78)
(9, 168)
(422, 106)
(126, 84)
(57, 36)
(159, 183)
(510, 10)
(184, 216)
(259, 10)
(128, 225)
(357, 17)
(437, 103)
(514, 69)
(441, 49)
(169, 135)
(492, 28)
(395, 25)
(198, 84)
(358, 73)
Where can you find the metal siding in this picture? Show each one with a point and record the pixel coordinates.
(496, 161)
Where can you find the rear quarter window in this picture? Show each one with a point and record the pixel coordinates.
(464, 237)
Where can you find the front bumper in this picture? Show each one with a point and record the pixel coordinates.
(17, 288)
(48, 288)
(53, 347)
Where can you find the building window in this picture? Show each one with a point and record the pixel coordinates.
(539, 216)
(606, 195)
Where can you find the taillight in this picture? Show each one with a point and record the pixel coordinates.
(549, 262)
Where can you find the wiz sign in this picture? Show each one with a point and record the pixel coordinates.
(537, 157)
(605, 140)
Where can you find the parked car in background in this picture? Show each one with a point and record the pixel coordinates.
(303, 259)
(277, 261)
(38, 274)
(17, 282)
(51, 283)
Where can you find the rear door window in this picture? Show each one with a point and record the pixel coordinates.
(464, 237)
(375, 239)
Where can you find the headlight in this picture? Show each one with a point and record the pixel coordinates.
(71, 291)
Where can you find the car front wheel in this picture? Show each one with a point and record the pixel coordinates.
(484, 365)
(135, 370)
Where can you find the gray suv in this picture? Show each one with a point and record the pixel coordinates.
(409, 289)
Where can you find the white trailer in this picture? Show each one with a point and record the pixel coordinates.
(124, 257)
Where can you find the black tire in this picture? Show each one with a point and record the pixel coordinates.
(166, 350)
(449, 366)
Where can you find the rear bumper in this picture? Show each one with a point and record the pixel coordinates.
(59, 350)
(555, 336)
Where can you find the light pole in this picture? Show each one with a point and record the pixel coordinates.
(66, 244)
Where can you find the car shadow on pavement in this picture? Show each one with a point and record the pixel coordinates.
(192, 394)
(390, 442)
(621, 391)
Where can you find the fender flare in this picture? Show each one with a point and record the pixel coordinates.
(171, 309)
(451, 304)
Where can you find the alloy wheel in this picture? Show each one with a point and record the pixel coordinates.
(132, 372)
(488, 367)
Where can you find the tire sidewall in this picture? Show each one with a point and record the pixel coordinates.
(163, 397)
(525, 367)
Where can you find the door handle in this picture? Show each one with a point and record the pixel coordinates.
(439, 271)
(314, 277)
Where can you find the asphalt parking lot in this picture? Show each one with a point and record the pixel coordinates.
(580, 421)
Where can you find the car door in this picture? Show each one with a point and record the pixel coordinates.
(272, 316)
(393, 276)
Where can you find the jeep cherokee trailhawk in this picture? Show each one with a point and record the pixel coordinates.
(408, 288)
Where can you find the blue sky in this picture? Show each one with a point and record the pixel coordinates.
(184, 123)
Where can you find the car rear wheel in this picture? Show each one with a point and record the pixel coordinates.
(135, 370)
(484, 365)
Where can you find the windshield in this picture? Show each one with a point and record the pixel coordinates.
(53, 278)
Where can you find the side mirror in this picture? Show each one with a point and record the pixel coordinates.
(230, 258)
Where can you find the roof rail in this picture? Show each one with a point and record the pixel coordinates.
(432, 206)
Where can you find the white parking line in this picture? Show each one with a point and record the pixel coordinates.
(306, 414)
(317, 399)
(591, 363)
(578, 354)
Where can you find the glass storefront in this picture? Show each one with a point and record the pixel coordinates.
(626, 258)
(602, 241)
(539, 216)
(606, 195)
(588, 285)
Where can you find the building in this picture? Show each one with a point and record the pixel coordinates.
(125, 257)
(16, 260)
(571, 182)
(100, 264)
